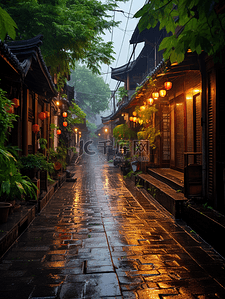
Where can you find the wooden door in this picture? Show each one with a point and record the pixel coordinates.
(179, 135)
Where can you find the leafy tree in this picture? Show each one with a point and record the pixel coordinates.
(198, 25)
(71, 30)
(7, 25)
(92, 93)
(75, 116)
(123, 132)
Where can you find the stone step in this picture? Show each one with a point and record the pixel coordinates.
(171, 180)
(167, 196)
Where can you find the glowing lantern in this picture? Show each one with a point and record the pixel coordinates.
(64, 124)
(42, 115)
(131, 118)
(47, 114)
(35, 128)
(134, 119)
(134, 113)
(16, 102)
(58, 132)
(64, 114)
(142, 108)
(150, 101)
(57, 103)
(162, 93)
(155, 95)
(11, 109)
(168, 85)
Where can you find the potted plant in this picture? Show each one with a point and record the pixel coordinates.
(30, 166)
(13, 185)
(58, 157)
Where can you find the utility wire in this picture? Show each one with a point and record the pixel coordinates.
(124, 33)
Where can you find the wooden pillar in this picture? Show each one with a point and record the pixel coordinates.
(35, 121)
(25, 121)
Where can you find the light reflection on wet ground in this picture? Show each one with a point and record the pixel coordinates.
(94, 240)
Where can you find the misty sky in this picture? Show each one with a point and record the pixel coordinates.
(121, 38)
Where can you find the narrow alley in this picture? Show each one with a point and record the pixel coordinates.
(98, 239)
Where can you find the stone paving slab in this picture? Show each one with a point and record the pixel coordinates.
(100, 237)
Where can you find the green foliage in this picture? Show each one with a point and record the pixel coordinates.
(201, 24)
(7, 25)
(152, 190)
(72, 30)
(92, 127)
(75, 116)
(38, 161)
(73, 149)
(6, 119)
(148, 131)
(12, 184)
(123, 132)
(58, 155)
(91, 91)
(43, 142)
(144, 116)
(122, 92)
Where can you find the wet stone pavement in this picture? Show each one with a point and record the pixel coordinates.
(97, 239)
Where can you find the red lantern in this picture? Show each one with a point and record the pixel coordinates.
(134, 113)
(155, 95)
(64, 114)
(10, 110)
(65, 124)
(47, 114)
(168, 85)
(162, 93)
(134, 119)
(58, 132)
(35, 128)
(150, 101)
(131, 118)
(42, 115)
(16, 102)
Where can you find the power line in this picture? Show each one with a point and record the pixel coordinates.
(124, 33)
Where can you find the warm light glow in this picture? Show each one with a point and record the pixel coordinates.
(168, 85)
(42, 115)
(57, 103)
(106, 130)
(75, 130)
(155, 95)
(64, 114)
(47, 114)
(162, 93)
(142, 108)
(79, 133)
(99, 134)
(150, 101)
(65, 124)
(58, 132)
(188, 97)
(196, 90)
(131, 118)
(134, 119)
(134, 113)
(16, 102)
